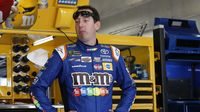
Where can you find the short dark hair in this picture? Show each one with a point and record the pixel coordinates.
(96, 16)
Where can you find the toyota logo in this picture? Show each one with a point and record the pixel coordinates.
(104, 51)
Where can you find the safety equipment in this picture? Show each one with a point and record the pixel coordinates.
(25, 48)
(24, 59)
(25, 68)
(17, 78)
(82, 13)
(17, 58)
(16, 48)
(17, 68)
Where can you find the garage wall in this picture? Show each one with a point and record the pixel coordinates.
(128, 21)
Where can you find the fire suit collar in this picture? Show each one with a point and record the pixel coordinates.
(87, 48)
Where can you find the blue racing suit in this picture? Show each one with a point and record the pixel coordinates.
(86, 75)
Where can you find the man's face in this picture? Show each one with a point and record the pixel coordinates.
(85, 26)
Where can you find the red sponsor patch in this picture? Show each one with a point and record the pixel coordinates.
(98, 67)
(77, 92)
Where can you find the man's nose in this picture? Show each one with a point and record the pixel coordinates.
(81, 24)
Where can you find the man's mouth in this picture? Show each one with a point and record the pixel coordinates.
(82, 32)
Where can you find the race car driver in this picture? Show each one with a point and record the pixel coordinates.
(86, 71)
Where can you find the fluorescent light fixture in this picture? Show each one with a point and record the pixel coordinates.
(43, 40)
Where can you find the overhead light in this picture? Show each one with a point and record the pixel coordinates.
(136, 2)
(43, 40)
(133, 1)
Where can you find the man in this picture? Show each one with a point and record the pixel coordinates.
(86, 71)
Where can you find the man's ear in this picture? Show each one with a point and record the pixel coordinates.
(97, 25)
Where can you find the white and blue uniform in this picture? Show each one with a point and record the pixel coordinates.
(86, 75)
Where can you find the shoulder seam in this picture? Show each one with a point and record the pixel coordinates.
(62, 51)
(115, 53)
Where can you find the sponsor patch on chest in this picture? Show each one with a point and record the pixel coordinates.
(107, 66)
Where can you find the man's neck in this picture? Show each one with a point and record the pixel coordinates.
(90, 42)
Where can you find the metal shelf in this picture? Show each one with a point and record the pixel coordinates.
(144, 106)
(143, 81)
(138, 89)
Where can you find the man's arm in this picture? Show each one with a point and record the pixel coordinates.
(43, 80)
(127, 85)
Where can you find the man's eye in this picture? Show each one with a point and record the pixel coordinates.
(86, 20)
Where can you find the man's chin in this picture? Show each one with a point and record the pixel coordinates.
(83, 37)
